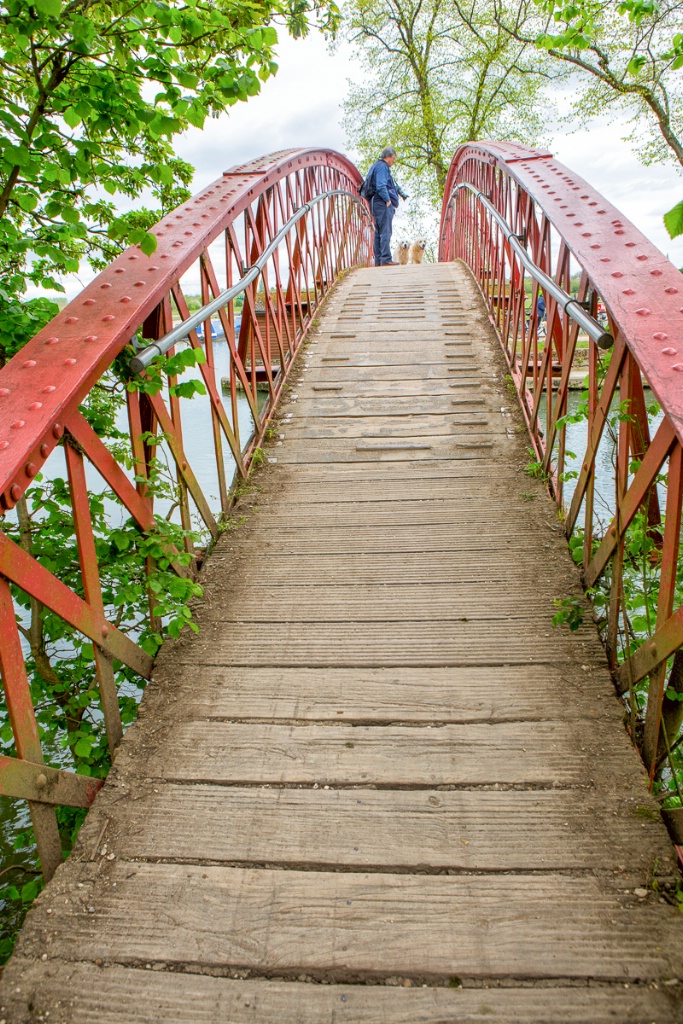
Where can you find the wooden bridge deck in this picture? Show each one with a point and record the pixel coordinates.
(378, 786)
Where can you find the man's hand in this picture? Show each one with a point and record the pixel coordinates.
(389, 202)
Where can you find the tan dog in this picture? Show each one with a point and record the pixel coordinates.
(401, 253)
(417, 251)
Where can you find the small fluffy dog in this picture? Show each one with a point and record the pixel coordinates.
(401, 253)
(417, 251)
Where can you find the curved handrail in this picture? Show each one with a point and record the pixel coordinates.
(327, 230)
(640, 287)
(144, 357)
(571, 306)
(87, 335)
(495, 195)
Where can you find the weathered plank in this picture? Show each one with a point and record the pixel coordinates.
(83, 994)
(393, 643)
(505, 753)
(339, 924)
(440, 426)
(399, 830)
(439, 567)
(361, 696)
(419, 603)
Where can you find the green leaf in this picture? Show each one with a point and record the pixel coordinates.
(188, 389)
(70, 216)
(53, 8)
(29, 891)
(186, 80)
(27, 201)
(196, 115)
(673, 220)
(71, 117)
(83, 747)
(148, 243)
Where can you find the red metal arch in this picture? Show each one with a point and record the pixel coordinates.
(43, 385)
(640, 286)
(296, 219)
(568, 228)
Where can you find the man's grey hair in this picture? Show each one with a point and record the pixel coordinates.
(387, 151)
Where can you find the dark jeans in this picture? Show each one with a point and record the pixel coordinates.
(383, 216)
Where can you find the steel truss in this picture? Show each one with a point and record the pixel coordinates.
(567, 229)
(137, 298)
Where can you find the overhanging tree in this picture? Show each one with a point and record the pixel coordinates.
(440, 73)
(625, 55)
(92, 93)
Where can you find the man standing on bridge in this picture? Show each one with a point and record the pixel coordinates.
(383, 192)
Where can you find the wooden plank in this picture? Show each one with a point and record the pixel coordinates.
(450, 450)
(82, 994)
(423, 831)
(362, 388)
(396, 486)
(505, 753)
(394, 643)
(325, 368)
(371, 358)
(442, 426)
(460, 477)
(362, 696)
(419, 518)
(398, 567)
(336, 538)
(343, 604)
(342, 926)
(440, 444)
(322, 405)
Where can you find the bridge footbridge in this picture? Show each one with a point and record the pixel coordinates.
(378, 785)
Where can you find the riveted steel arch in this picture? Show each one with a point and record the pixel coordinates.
(529, 227)
(287, 224)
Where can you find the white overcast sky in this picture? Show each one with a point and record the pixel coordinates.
(302, 106)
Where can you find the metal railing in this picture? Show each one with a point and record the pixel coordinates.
(145, 356)
(623, 524)
(295, 218)
(571, 306)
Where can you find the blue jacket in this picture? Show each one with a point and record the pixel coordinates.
(385, 187)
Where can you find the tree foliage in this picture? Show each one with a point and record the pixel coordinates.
(92, 93)
(625, 55)
(440, 72)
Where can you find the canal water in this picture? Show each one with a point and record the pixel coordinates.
(605, 460)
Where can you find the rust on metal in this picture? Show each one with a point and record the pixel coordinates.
(29, 781)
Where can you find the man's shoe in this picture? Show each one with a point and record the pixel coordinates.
(391, 263)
